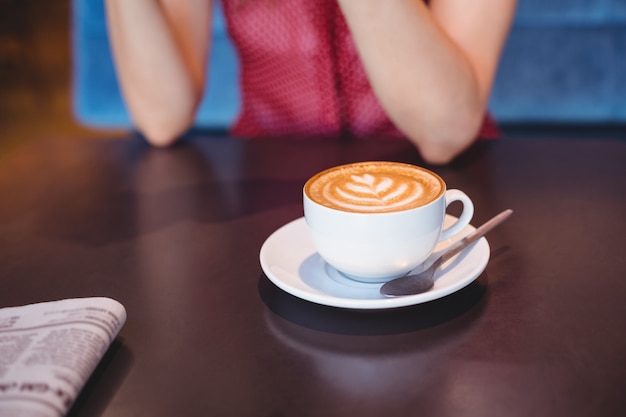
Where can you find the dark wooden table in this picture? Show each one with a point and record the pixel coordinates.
(175, 236)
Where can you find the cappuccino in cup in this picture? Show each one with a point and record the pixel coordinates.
(375, 221)
(374, 187)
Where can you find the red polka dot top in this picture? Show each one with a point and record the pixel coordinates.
(301, 75)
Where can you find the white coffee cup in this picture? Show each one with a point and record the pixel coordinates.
(375, 221)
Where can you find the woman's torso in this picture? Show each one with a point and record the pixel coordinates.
(300, 72)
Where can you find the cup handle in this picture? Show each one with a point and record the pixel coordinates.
(466, 214)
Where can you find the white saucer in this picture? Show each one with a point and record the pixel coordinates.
(290, 261)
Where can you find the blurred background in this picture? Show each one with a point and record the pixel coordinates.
(563, 72)
(36, 71)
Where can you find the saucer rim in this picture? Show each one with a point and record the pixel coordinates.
(480, 249)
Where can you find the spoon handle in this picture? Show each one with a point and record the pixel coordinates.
(474, 236)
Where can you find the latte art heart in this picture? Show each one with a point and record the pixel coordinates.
(374, 187)
(369, 193)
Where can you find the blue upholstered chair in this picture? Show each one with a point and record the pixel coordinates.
(565, 62)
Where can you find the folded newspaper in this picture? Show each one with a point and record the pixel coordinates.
(48, 351)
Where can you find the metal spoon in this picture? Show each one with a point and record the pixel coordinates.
(422, 282)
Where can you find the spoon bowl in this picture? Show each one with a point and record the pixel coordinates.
(424, 281)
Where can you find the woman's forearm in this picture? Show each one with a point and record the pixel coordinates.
(160, 50)
(431, 67)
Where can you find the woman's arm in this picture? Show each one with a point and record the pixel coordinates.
(160, 49)
(431, 66)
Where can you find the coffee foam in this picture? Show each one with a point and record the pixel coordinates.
(374, 187)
